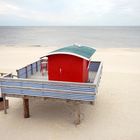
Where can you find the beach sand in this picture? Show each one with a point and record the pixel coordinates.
(115, 115)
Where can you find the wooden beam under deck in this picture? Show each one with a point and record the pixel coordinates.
(50, 99)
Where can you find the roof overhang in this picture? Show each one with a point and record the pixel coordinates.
(83, 52)
(67, 53)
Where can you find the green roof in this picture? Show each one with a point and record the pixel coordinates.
(76, 50)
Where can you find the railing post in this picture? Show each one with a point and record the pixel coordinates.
(31, 69)
(26, 71)
(36, 67)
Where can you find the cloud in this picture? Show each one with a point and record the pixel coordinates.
(6, 8)
(74, 12)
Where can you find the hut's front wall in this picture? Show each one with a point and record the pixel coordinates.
(62, 67)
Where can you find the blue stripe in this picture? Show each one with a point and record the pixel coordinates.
(48, 86)
(83, 97)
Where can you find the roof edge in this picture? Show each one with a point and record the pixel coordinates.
(69, 53)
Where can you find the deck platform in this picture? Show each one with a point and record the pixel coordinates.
(38, 75)
(31, 84)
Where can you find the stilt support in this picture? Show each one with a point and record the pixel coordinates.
(77, 114)
(4, 103)
(92, 102)
(26, 108)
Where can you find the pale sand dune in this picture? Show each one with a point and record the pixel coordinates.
(115, 116)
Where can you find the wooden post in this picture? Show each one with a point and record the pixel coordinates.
(92, 102)
(26, 108)
(4, 103)
(36, 67)
(17, 73)
(26, 71)
(31, 69)
(77, 114)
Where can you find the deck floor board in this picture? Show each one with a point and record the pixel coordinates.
(38, 75)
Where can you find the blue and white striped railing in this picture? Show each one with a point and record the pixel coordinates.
(28, 70)
(51, 89)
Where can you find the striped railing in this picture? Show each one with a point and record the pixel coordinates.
(51, 89)
(28, 70)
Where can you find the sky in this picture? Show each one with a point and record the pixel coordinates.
(69, 12)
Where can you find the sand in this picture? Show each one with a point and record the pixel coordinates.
(115, 115)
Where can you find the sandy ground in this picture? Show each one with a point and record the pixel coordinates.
(115, 115)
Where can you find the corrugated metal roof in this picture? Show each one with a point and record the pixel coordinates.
(76, 50)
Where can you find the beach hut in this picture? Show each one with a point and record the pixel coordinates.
(69, 63)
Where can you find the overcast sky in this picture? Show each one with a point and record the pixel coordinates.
(70, 12)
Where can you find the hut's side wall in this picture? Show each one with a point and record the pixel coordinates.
(85, 70)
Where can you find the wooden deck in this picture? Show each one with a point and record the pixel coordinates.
(38, 75)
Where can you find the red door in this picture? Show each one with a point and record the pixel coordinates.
(62, 67)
